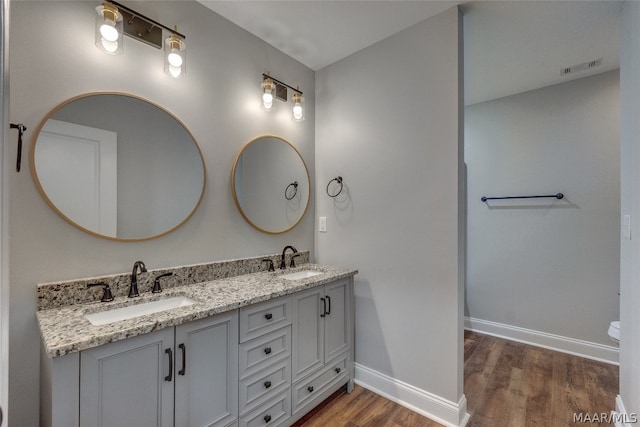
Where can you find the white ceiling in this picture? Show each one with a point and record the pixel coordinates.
(510, 46)
(318, 33)
(516, 46)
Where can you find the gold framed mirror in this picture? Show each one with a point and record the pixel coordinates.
(117, 166)
(271, 185)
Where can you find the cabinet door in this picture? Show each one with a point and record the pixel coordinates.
(128, 383)
(336, 328)
(206, 367)
(308, 332)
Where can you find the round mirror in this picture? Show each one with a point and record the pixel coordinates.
(270, 184)
(117, 166)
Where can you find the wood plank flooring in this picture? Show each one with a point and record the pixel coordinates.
(507, 384)
(513, 384)
(363, 408)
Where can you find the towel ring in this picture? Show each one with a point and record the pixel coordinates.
(295, 190)
(338, 179)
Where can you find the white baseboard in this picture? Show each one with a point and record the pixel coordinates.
(441, 410)
(624, 419)
(589, 350)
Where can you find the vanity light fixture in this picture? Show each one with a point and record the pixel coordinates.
(298, 110)
(114, 19)
(175, 63)
(109, 28)
(274, 88)
(268, 89)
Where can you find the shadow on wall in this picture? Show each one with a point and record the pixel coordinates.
(368, 312)
(342, 204)
(521, 204)
(467, 313)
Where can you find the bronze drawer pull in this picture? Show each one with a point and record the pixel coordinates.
(184, 359)
(170, 353)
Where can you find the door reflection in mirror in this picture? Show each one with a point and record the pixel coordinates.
(117, 166)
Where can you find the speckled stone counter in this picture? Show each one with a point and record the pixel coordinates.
(64, 329)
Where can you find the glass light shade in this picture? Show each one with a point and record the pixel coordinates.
(108, 33)
(268, 89)
(175, 56)
(298, 107)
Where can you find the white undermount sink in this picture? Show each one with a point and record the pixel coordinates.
(137, 310)
(304, 274)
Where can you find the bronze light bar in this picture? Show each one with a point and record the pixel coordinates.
(142, 28)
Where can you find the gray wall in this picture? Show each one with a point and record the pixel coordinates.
(547, 265)
(630, 249)
(388, 120)
(4, 168)
(219, 101)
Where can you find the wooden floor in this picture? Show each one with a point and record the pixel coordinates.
(363, 408)
(512, 384)
(507, 384)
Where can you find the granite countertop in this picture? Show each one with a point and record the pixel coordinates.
(65, 330)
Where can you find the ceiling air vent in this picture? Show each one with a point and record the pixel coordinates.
(581, 67)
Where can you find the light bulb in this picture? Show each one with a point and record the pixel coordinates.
(297, 111)
(174, 58)
(109, 46)
(267, 100)
(108, 30)
(175, 71)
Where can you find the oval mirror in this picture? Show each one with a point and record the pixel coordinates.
(270, 184)
(117, 166)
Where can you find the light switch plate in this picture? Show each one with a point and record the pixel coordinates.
(322, 224)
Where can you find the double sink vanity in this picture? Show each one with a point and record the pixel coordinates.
(223, 344)
(229, 343)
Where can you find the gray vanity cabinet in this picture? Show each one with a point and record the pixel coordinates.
(337, 332)
(265, 364)
(206, 372)
(122, 384)
(149, 379)
(322, 339)
(308, 332)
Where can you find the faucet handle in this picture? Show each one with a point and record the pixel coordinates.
(106, 294)
(156, 283)
(270, 261)
(293, 261)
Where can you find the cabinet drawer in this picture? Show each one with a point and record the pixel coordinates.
(274, 413)
(263, 351)
(264, 317)
(260, 387)
(306, 390)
